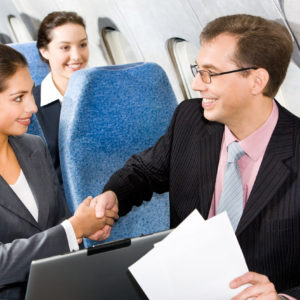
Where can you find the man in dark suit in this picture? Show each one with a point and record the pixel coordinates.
(242, 62)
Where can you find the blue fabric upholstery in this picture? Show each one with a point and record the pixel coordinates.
(38, 70)
(108, 114)
(35, 128)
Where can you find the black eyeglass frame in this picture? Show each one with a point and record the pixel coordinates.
(195, 70)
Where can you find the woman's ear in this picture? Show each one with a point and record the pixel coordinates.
(260, 80)
(44, 53)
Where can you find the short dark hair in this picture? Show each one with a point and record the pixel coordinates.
(10, 61)
(51, 21)
(260, 42)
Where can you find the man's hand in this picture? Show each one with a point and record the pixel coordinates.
(86, 224)
(104, 202)
(101, 234)
(261, 289)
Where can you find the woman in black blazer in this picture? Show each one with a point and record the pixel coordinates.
(62, 44)
(34, 219)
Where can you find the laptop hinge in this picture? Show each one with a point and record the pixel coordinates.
(108, 246)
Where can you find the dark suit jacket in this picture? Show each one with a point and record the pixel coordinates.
(185, 161)
(22, 239)
(48, 117)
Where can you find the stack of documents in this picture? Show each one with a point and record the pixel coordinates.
(197, 260)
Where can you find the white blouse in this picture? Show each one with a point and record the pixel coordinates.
(23, 191)
(49, 92)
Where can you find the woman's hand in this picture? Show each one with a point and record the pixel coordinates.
(86, 224)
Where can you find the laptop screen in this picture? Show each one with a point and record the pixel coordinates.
(99, 272)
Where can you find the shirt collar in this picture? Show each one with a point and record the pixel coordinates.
(255, 144)
(49, 92)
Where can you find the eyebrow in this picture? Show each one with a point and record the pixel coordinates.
(22, 91)
(210, 66)
(18, 92)
(207, 66)
(66, 42)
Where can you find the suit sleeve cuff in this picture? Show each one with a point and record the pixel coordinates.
(71, 237)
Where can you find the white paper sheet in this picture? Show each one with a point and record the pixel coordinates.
(189, 226)
(196, 261)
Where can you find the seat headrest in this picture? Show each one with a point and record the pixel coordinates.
(38, 68)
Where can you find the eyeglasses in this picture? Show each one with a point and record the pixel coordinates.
(206, 75)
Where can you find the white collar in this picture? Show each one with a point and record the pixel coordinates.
(49, 92)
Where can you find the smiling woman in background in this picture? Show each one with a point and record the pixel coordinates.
(63, 44)
(34, 219)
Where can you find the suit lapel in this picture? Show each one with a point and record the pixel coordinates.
(273, 172)
(29, 161)
(11, 202)
(48, 117)
(210, 146)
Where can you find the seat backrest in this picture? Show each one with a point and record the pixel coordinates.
(108, 114)
(38, 70)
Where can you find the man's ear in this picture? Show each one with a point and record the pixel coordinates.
(260, 79)
(44, 53)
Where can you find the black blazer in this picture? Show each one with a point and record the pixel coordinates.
(22, 239)
(185, 161)
(48, 117)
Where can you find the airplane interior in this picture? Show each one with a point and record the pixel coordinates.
(127, 32)
(139, 70)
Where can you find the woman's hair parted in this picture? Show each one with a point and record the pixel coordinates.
(53, 20)
(10, 61)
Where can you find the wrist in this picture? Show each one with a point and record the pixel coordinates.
(114, 195)
(76, 227)
(113, 200)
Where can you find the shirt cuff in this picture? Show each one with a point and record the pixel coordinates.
(71, 237)
(288, 297)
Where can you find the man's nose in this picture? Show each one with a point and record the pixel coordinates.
(198, 84)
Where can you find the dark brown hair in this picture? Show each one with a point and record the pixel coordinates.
(53, 20)
(10, 61)
(261, 43)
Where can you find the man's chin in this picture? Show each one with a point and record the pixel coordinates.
(209, 115)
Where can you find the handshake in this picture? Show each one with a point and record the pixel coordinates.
(95, 217)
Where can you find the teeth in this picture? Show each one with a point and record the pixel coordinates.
(75, 66)
(206, 100)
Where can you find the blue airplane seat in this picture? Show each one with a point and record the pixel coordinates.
(38, 70)
(108, 114)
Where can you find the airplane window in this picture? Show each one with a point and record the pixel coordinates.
(117, 47)
(291, 11)
(280, 97)
(19, 29)
(183, 54)
(5, 39)
(289, 90)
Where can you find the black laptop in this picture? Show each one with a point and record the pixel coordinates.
(96, 273)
